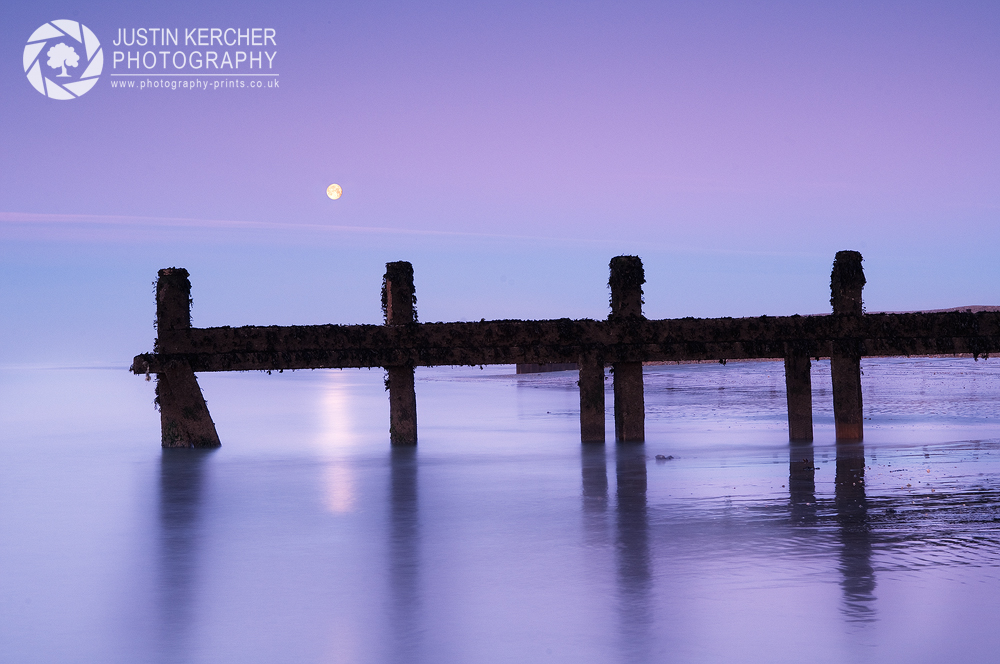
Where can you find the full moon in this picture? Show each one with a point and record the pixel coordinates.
(334, 191)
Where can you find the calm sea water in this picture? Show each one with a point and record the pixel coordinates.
(305, 538)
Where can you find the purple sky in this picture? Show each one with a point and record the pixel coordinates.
(509, 150)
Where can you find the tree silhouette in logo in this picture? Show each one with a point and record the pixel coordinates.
(62, 55)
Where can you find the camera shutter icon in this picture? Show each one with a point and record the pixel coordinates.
(63, 59)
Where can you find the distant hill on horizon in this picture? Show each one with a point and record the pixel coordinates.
(974, 308)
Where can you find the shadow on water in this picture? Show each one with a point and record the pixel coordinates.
(858, 582)
(633, 556)
(182, 485)
(404, 555)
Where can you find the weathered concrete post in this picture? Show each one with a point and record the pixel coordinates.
(627, 278)
(846, 283)
(591, 398)
(398, 300)
(798, 393)
(184, 417)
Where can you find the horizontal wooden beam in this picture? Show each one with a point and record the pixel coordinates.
(563, 340)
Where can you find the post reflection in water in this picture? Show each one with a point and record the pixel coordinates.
(594, 468)
(633, 556)
(404, 555)
(855, 533)
(858, 582)
(181, 493)
(802, 483)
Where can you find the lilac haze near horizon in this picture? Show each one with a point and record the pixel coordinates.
(508, 151)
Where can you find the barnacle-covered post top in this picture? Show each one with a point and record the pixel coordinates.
(398, 295)
(173, 299)
(626, 280)
(846, 283)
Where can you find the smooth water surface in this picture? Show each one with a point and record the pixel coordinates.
(501, 538)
